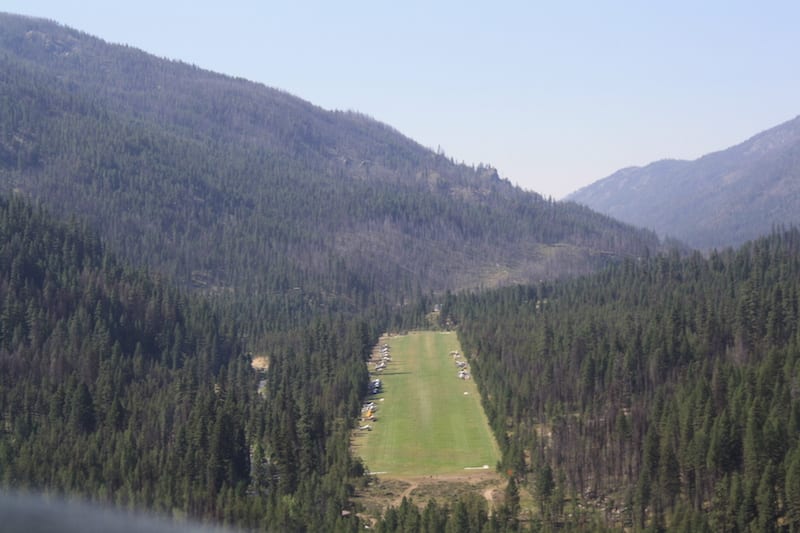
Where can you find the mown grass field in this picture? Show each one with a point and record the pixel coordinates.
(429, 422)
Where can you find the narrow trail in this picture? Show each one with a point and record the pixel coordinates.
(491, 492)
(406, 493)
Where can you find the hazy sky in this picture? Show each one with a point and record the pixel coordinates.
(554, 94)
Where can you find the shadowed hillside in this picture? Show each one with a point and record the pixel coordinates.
(223, 183)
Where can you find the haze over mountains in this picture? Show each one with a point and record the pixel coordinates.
(222, 182)
(721, 199)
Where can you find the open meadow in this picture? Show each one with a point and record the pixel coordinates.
(428, 421)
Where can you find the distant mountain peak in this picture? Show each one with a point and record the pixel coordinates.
(720, 199)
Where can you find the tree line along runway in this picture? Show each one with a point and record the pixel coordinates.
(428, 418)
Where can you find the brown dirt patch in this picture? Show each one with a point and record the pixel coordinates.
(385, 490)
(260, 363)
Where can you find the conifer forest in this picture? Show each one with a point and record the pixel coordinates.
(195, 271)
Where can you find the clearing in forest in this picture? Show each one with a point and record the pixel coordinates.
(428, 420)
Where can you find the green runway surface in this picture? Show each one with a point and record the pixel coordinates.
(429, 421)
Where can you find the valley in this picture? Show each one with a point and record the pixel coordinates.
(197, 274)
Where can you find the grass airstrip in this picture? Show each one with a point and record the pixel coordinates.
(428, 420)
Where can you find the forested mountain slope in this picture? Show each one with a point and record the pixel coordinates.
(721, 199)
(227, 184)
(659, 393)
(120, 389)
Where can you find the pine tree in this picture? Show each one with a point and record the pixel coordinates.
(82, 417)
(792, 490)
(767, 501)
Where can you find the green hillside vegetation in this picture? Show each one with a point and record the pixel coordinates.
(220, 219)
(659, 394)
(122, 390)
(428, 420)
(247, 192)
(119, 389)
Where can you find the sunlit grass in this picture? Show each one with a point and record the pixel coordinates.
(428, 420)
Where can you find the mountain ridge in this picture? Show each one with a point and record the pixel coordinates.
(226, 184)
(720, 199)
